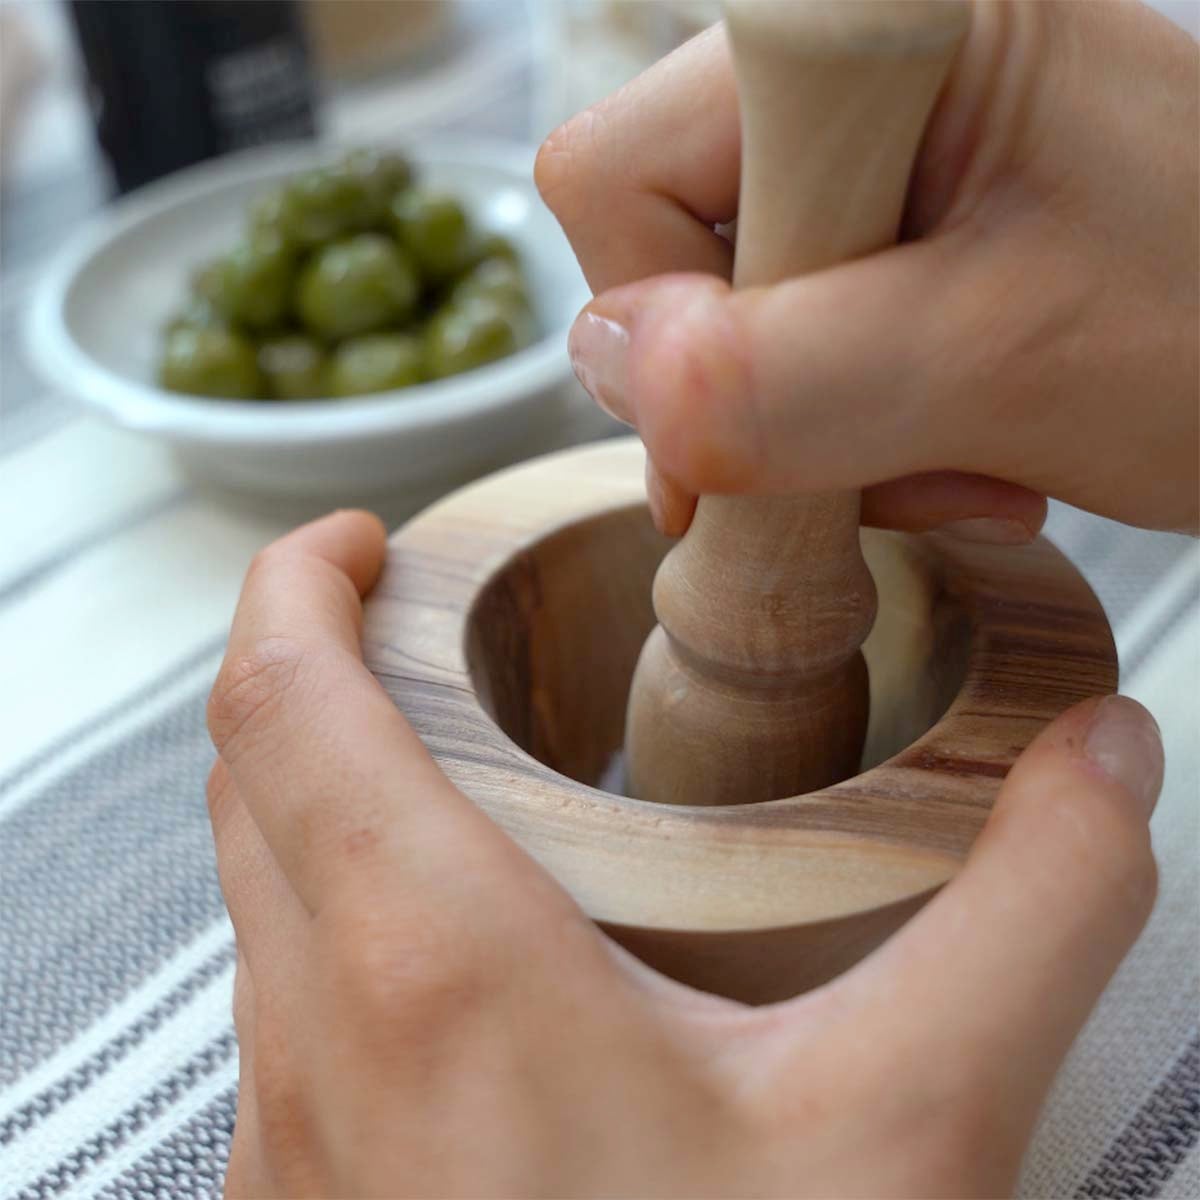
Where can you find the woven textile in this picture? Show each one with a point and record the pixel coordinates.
(117, 1058)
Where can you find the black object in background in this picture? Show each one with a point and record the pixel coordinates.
(172, 82)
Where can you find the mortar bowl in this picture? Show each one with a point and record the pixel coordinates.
(506, 626)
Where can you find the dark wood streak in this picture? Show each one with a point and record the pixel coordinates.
(951, 764)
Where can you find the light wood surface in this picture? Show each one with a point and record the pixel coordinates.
(753, 686)
(506, 626)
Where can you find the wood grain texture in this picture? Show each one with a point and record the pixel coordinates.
(753, 686)
(506, 626)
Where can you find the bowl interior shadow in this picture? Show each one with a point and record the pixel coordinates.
(554, 636)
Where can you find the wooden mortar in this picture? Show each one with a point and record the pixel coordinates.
(506, 626)
(509, 618)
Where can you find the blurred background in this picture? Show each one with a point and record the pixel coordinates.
(99, 96)
(223, 74)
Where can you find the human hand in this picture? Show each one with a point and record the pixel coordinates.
(1039, 337)
(421, 1010)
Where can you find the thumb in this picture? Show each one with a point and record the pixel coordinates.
(996, 976)
(763, 389)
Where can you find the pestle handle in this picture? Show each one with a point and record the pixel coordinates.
(753, 686)
(834, 96)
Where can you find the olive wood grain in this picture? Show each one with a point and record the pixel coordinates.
(752, 686)
(506, 626)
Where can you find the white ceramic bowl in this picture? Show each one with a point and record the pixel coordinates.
(96, 319)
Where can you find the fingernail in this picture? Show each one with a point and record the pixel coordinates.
(599, 350)
(1124, 742)
(996, 531)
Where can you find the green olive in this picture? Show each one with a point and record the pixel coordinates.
(495, 278)
(205, 279)
(197, 313)
(494, 245)
(252, 285)
(209, 362)
(324, 204)
(435, 231)
(359, 285)
(382, 173)
(377, 363)
(464, 336)
(267, 217)
(293, 368)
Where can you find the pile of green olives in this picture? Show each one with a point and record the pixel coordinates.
(349, 279)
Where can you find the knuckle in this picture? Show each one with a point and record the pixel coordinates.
(402, 972)
(552, 169)
(249, 690)
(565, 170)
(688, 373)
(265, 560)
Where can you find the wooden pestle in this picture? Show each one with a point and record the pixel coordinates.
(753, 686)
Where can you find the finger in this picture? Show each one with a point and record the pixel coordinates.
(997, 975)
(346, 551)
(835, 380)
(270, 921)
(972, 507)
(246, 1173)
(671, 506)
(275, 1139)
(344, 794)
(299, 723)
(658, 162)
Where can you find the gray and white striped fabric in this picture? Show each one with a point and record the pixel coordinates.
(117, 579)
(117, 1057)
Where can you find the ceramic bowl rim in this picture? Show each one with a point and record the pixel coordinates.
(59, 357)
